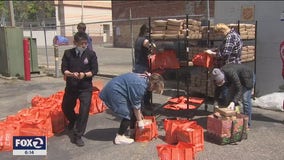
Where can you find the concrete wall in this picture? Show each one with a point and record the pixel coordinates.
(270, 34)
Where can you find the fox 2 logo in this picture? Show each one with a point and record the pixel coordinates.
(29, 142)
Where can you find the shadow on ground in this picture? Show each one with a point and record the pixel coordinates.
(105, 134)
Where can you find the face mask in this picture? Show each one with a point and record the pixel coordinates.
(81, 49)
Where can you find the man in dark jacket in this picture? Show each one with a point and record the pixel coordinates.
(79, 65)
(234, 83)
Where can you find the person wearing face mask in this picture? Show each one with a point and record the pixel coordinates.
(79, 65)
(123, 95)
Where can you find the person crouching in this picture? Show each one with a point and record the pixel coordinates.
(124, 95)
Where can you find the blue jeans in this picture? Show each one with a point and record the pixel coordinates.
(247, 105)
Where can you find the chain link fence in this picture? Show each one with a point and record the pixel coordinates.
(107, 36)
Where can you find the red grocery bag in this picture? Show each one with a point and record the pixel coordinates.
(183, 99)
(38, 101)
(171, 125)
(203, 59)
(179, 106)
(35, 122)
(191, 133)
(7, 131)
(58, 120)
(182, 103)
(164, 60)
(181, 151)
(149, 132)
(52, 105)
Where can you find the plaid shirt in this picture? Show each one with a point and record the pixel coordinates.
(230, 50)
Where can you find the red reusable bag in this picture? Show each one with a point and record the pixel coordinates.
(181, 151)
(164, 60)
(35, 122)
(58, 120)
(149, 132)
(191, 133)
(203, 59)
(7, 131)
(170, 126)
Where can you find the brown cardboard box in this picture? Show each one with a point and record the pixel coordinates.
(225, 112)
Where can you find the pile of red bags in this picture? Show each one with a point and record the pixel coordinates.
(43, 118)
(184, 139)
(182, 103)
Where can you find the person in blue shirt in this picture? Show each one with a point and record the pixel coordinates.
(79, 65)
(81, 27)
(124, 94)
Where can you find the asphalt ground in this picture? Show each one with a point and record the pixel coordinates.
(265, 139)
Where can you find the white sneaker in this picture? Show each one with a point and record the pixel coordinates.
(122, 139)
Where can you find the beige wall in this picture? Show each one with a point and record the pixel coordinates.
(94, 14)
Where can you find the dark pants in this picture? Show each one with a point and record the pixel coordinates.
(147, 98)
(125, 123)
(68, 105)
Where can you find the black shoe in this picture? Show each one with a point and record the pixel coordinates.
(79, 142)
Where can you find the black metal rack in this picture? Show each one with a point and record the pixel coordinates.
(209, 42)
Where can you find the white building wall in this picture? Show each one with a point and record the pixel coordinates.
(94, 19)
(270, 34)
(39, 35)
(95, 14)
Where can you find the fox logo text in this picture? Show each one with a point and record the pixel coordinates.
(29, 145)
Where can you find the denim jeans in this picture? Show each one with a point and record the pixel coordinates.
(247, 104)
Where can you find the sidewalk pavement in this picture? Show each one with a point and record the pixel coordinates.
(265, 139)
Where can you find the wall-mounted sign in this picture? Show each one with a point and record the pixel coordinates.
(247, 13)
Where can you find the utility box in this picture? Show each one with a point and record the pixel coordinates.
(33, 56)
(11, 52)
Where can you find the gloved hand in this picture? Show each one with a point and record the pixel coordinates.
(231, 106)
(141, 124)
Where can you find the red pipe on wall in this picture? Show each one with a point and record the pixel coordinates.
(27, 60)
